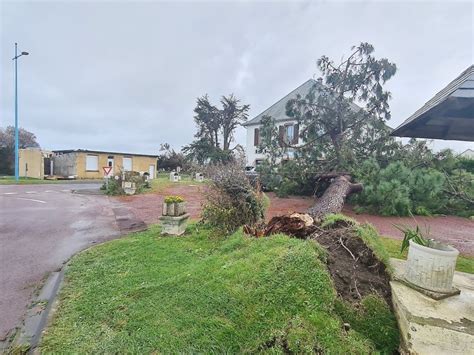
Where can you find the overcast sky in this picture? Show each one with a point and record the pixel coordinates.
(125, 75)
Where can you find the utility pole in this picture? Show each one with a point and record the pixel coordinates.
(17, 172)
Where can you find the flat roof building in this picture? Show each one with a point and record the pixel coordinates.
(89, 164)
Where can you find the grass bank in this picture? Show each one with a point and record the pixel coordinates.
(392, 246)
(146, 293)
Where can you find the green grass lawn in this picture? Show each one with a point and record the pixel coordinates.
(464, 263)
(145, 293)
(162, 182)
(10, 180)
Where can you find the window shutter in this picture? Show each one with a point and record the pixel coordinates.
(296, 133)
(281, 135)
(256, 137)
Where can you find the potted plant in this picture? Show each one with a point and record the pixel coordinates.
(430, 264)
(174, 219)
(174, 206)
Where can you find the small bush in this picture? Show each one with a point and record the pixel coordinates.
(114, 187)
(231, 201)
(287, 187)
(399, 191)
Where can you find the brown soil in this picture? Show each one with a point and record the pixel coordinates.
(354, 268)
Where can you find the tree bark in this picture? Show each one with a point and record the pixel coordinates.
(334, 197)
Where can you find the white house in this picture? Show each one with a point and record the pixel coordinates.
(288, 126)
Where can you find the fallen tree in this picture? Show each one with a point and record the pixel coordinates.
(333, 199)
(301, 225)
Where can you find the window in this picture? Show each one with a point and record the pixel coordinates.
(256, 137)
(290, 133)
(127, 164)
(92, 163)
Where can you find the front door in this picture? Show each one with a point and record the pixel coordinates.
(151, 171)
(47, 166)
(110, 162)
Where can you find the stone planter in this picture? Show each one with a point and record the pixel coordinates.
(431, 268)
(174, 225)
(129, 187)
(174, 209)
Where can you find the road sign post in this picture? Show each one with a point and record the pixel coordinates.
(107, 171)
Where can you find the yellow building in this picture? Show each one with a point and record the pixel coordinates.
(89, 164)
(34, 163)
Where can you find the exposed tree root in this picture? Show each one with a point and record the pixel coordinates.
(354, 268)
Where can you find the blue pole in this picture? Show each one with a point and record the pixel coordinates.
(17, 177)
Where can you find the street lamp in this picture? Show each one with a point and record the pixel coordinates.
(17, 177)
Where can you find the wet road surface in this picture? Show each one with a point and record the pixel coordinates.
(41, 227)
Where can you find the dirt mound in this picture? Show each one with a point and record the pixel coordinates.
(353, 266)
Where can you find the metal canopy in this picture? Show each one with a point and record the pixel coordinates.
(448, 115)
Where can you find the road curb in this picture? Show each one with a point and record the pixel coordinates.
(37, 315)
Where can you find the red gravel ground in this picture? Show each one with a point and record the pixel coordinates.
(148, 206)
(458, 232)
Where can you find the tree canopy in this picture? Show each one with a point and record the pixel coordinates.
(343, 117)
(7, 146)
(215, 129)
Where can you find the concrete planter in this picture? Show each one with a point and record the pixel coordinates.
(129, 187)
(431, 268)
(174, 209)
(174, 225)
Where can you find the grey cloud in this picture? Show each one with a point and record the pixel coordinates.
(125, 75)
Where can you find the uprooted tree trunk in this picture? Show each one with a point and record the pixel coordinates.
(334, 197)
(302, 225)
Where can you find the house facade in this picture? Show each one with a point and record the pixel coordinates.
(34, 163)
(88, 164)
(288, 127)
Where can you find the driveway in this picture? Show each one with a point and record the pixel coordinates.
(41, 227)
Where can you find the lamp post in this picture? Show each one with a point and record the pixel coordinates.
(17, 175)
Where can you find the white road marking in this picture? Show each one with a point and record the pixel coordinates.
(66, 190)
(30, 199)
(31, 192)
(10, 193)
(49, 191)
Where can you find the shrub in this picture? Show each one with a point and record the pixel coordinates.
(398, 190)
(231, 201)
(115, 183)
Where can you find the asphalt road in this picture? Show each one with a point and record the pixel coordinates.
(41, 227)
